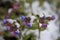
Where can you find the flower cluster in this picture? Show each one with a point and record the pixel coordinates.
(44, 20)
(26, 21)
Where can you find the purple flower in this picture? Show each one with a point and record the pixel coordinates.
(16, 33)
(5, 21)
(44, 25)
(6, 17)
(29, 25)
(53, 17)
(8, 28)
(43, 18)
(24, 23)
(22, 18)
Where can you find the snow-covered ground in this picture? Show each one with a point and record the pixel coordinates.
(2, 28)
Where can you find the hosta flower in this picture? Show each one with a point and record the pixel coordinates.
(53, 17)
(44, 25)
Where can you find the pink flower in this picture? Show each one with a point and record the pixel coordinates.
(8, 28)
(24, 23)
(15, 7)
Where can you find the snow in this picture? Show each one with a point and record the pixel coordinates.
(10, 10)
(32, 18)
(11, 21)
(18, 25)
